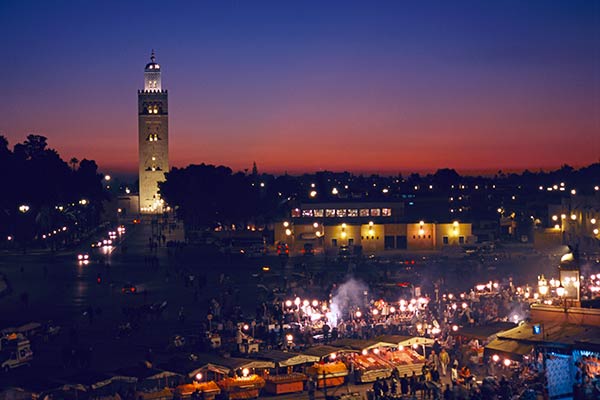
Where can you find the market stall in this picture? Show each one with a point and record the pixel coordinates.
(159, 394)
(247, 386)
(288, 374)
(98, 384)
(401, 352)
(507, 349)
(150, 379)
(361, 357)
(473, 339)
(368, 366)
(329, 371)
(207, 390)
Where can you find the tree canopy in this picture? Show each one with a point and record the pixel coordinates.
(35, 176)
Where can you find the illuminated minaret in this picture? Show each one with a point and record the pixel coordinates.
(153, 121)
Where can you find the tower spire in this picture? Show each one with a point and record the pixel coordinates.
(152, 56)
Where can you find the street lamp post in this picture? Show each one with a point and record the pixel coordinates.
(560, 291)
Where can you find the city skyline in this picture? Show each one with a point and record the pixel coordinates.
(301, 88)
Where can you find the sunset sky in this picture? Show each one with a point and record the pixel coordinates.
(300, 86)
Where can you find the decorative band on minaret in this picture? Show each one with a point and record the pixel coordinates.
(153, 139)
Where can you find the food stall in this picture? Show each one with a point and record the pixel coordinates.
(97, 384)
(245, 378)
(236, 378)
(41, 388)
(329, 371)
(208, 390)
(288, 374)
(150, 379)
(473, 339)
(401, 352)
(362, 357)
(368, 366)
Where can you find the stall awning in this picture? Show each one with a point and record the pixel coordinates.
(406, 341)
(211, 362)
(285, 358)
(552, 335)
(96, 380)
(483, 332)
(141, 373)
(320, 351)
(355, 344)
(511, 349)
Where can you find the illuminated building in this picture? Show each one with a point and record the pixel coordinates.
(153, 122)
(374, 227)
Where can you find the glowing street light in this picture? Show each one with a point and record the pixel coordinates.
(560, 291)
(23, 208)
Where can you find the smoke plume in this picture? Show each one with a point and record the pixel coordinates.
(346, 297)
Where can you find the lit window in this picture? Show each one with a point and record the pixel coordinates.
(296, 213)
(318, 213)
(153, 158)
(364, 212)
(375, 212)
(307, 213)
(340, 213)
(329, 213)
(353, 212)
(386, 212)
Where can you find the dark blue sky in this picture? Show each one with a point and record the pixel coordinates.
(305, 85)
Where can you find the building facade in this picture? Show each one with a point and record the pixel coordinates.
(374, 227)
(153, 138)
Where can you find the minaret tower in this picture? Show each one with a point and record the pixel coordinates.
(153, 122)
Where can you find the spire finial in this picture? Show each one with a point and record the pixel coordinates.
(152, 57)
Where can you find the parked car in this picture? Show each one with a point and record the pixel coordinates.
(283, 250)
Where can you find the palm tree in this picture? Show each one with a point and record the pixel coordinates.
(74, 161)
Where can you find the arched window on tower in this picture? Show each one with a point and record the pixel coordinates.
(153, 137)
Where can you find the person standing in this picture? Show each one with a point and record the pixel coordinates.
(404, 385)
(413, 384)
(444, 361)
(454, 372)
(434, 360)
(311, 388)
